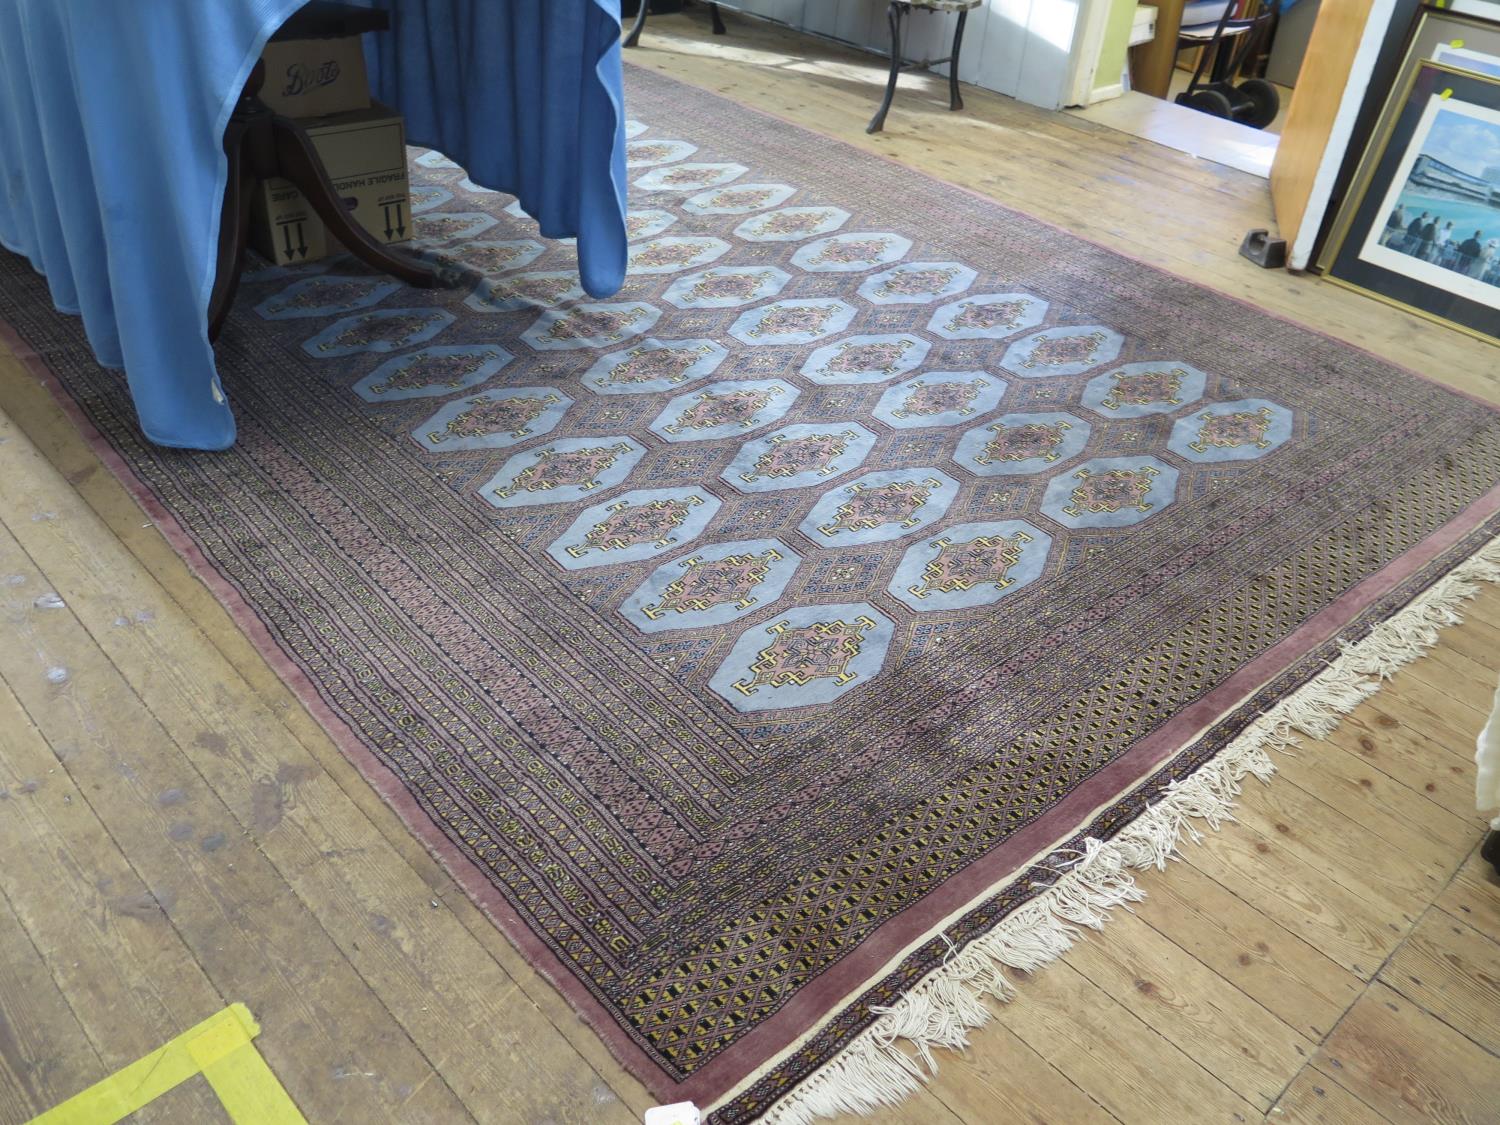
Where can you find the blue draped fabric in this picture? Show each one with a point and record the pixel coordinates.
(112, 118)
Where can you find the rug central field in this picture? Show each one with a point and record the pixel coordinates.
(743, 640)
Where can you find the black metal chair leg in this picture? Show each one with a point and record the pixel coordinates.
(896, 11)
(635, 29)
(719, 28)
(955, 99)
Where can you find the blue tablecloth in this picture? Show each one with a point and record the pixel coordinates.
(112, 115)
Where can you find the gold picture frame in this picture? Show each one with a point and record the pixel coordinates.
(1414, 268)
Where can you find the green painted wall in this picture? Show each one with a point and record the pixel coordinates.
(1116, 40)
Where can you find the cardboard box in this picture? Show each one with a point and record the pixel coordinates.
(315, 77)
(365, 154)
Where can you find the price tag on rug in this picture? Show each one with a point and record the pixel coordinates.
(683, 1113)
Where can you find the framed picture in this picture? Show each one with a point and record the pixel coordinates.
(1462, 42)
(1424, 230)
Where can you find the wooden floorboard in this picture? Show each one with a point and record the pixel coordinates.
(197, 838)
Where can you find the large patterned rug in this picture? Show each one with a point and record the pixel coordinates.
(784, 648)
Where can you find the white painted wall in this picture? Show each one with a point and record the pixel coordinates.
(1018, 47)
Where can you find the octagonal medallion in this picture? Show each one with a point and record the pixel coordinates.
(327, 295)
(939, 398)
(1022, 444)
(793, 322)
(917, 283)
(493, 419)
(1110, 492)
(804, 657)
(987, 316)
(800, 455)
(649, 154)
(851, 253)
(540, 290)
(380, 330)
(791, 224)
(591, 325)
(562, 471)
(712, 586)
(1138, 389)
(497, 257)
(726, 287)
(654, 365)
(722, 410)
(636, 525)
(675, 253)
(969, 565)
(1062, 351)
(690, 177)
(438, 370)
(738, 199)
(1231, 431)
(866, 359)
(880, 506)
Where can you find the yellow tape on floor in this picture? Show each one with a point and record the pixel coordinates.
(219, 1048)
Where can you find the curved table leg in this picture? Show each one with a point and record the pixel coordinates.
(955, 99)
(893, 14)
(1489, 851)
(298, 161)
(719, 28)
(635, 29)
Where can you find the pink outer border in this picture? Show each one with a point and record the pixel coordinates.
(811, 1004)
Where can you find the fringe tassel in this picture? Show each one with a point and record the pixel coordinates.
(893, 1057)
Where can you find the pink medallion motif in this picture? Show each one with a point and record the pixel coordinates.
(732, 286)
(646, 365)
(328, 295)
(1055, 351)
(796, 657)
(851, 250)
(368, 330)
(431, 371)
(495, 416)
(1111, 491)
(852, 359)
(787, 457)
(661, 254)
(1023, 442)
(869, 508)
(588, 324)
(726, 581)
(731, 198)
(928, 399)
(974, 562)
(487, 416)
(917, 283)
(794, 320)
(728, 409)
(791, 222)
(628, 525)
(972, 317)
(492, 259)
(1231, 431)
(1144, 388)
(575, 468)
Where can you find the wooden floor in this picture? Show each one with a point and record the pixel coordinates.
(176, 833)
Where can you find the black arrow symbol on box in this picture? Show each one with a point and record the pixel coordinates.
(387, 210)
(286, 230)
(301, 242)
(400, 225)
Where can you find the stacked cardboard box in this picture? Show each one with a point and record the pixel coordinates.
(323, 85)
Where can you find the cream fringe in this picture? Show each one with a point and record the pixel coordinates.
(894, 1056)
